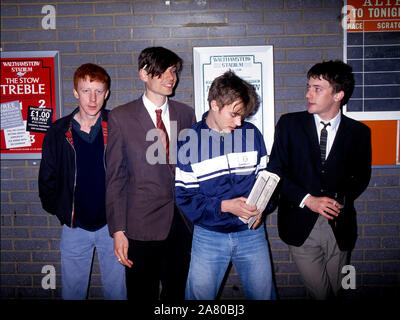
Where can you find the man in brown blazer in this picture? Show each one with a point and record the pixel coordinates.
(152, 237)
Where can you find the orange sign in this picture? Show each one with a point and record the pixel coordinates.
(372, 15)
(384, 141)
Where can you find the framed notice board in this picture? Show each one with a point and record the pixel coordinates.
(253, 64)
(30, 101)
(372, 48)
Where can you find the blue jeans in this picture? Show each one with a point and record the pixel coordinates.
(77, 247)
(211, 254)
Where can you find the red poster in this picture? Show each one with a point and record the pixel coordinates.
(28, 103)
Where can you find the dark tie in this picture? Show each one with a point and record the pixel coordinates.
(162, 131)
(322, 140)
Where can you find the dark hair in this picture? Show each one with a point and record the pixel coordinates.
(155, 60)
(338, 74)
(94, 72)
(228, 87)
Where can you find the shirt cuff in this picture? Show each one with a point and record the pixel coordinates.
(304, 199)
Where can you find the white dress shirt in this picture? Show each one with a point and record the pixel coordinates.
(332, 129)
(151, 109)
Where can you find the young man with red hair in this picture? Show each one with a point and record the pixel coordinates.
(72, 186)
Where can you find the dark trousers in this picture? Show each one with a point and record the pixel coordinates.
(164, 261)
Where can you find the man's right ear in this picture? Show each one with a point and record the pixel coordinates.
(143, 75)
(76, 95)
(214, 105)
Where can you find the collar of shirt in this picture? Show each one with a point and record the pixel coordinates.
(94, 130)
(332, 129)
(151, 109)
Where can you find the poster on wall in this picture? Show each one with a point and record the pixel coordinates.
(30, 101)
(253, 64)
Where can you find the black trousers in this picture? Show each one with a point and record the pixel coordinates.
(155, 262)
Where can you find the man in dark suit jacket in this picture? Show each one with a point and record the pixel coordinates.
(152, 237)
(322, 173)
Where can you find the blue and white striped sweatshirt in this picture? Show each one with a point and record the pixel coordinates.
(215, 166)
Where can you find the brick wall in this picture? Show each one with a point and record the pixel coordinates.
(112, 33)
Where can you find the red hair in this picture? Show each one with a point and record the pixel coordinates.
(94, 72)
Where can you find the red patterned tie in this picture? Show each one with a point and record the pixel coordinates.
(162, 131)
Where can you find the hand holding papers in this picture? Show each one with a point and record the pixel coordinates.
(261, 193)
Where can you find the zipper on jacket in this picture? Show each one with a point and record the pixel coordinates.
(227, 160)
(104, 157)
(104, 131)
(73, 193)
(230, 172)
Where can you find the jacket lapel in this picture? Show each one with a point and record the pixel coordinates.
(174, 130)
(142, 116)
(340, 134)
(311, 132)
